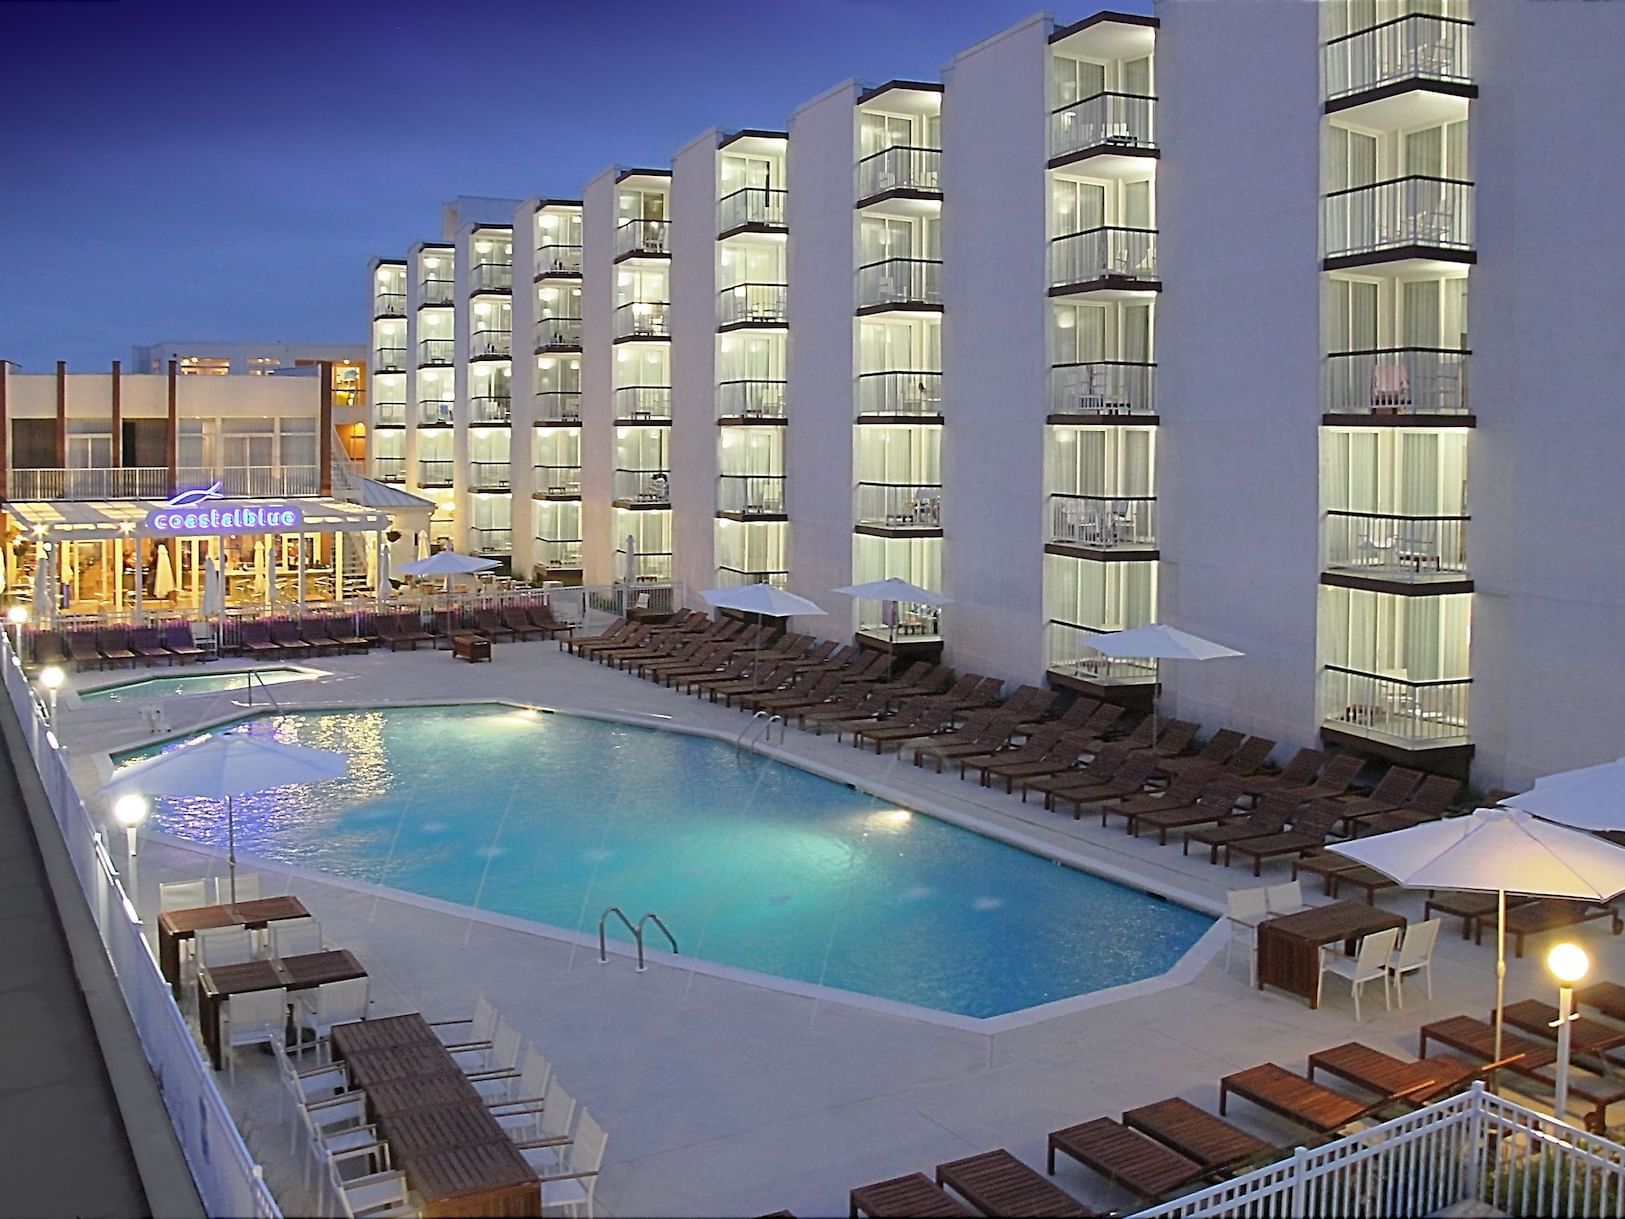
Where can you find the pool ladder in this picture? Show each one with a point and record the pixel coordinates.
(637, 934)
(748, 735)
(264, 685)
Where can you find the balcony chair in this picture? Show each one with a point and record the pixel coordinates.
(1390, 388)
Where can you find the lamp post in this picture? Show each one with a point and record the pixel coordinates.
(1568, 963)
(51, 678)
(17, 615)
(131, 811)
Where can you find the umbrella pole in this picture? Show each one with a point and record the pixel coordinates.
(1500, 965)
(231, 850)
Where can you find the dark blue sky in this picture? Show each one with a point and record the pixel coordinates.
(225, 170)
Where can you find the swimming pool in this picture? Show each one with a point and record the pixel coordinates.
(750, 862)
(169, 686)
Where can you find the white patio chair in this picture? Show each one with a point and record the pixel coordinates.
(1415, 955)
(499, 1064)
(329, 1004)
(224, 946)
(256, 1017)
(183, 894)
(1369, 964)
(571, 1189)
(377, 1195)
(529, 1087)
(1244, 910)
(248, 888)
(544, 1148)
(307, 1086)
(293, 937)
(1285, 898)
(482, 1026)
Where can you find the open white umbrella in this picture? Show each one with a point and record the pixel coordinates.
(1493, 851)
(892, 590)
(220, 767)
(448, 563)
(1158, 642)
(764, 601)
(1591, 798)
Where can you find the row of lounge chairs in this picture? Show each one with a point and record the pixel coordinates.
(112, 647)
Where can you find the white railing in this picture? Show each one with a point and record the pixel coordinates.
(643, 402)
(642, 319)
(1409, 548)
(490, 343)
(1472, 1148)
(1416, 46)
(129, 482)
(388, 359)
(644, 487)
(900, 392)
(735, 577)
(228, 1180)
(1106, 120)
(388, 468)
(648, 565)
(751, 494)
(1104, 387)
(1071, 654)
(900, 281)
(746, 304)
(389, 304)
(554, 333)
(1397, 381)
(490, 408)
(751, 205)
(558, 480)
(642, 237)
(900, 505)
(750, 399)
(1394, 708)
(436, 410)
(558, 259)
(436, 291)
(253, 482)
(552, 553)
(1432, 213)
(490, 276)
(900, 167)
(1103, 522)
(558, 405)
(1106, 252)
(389, 413)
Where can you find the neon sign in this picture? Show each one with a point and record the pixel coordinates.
(196, 511)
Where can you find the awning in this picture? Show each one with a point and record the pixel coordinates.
(356, 488)
(89, 520)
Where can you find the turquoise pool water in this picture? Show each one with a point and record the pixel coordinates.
(751, 863)
(168, 686)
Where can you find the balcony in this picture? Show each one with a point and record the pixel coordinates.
(556, 555)
(490, 277)
(558, 482)
(736, 577)
(491, 409)
(253, 482)
(1417, 217)
(1072, 655)
(558, 334)
(389, 414)
(1394, 710)
(1108, 258)
(642, 320)
(558, 260)
(1105, 125)
(436, 292)
(653, 566)
(1405, 381)
(750, 399)
(753, 207)
(124, 482)
(436, 352)
(900, 283)
(898, 508)
(1416, 51)
(901, 392)
(751, 496)
(490, 344)
(750, 305)
(438, 473)
(902, 169)
(642, 402)
(437, 411)
(1101, 523)
(1104, 387)
(643, 239)
(642, 488)
(490, 475)
(1403, 549)
(388, 469)
(558, 406)
(389, 304)
(389, 359)
(490, 540)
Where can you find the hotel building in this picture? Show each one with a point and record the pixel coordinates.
(1090, 334)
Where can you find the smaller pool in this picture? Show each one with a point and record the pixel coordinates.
(171, 685)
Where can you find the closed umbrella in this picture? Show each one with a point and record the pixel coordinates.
(1492, 851)
(629, 576)
(44, 603)
(163, 583)
(214, 587)
(764, 601)
(1158, 642)
(1591, 798)
(220, 767)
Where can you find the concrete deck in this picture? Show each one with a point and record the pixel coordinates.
(722, 1097)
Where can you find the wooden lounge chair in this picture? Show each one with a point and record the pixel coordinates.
(517, 621)
(286, 636)
(1172, 739)
(856, 704)
(908, 681)
(699, 659)
(1216, 803)
(1139, 738)
(411, 630)
(996, 1183)
(1197, 1135)
(1127, 783)
(1181, 793)
(1102, 726)
(826, 653)
(981, 731)
(1311, 826)
(1469, 907)
(665, 648)
(1391, 791)
(1137, 1162)
(149, 646)
(178, 639)
(725, 665)
(634, 639)
(488, 624)
(115, 645)
(342, 631)
(1550, 914)
(766, 682)
(1588, 1038)
(82, 648)
(793, 697)
(1300, 771)
(1532, 1060)
(1062, 757)
(1214, 754)
(1036, 746)
(1418, 1083)
(1248, 759)
(1429, 800)
(618, 629)
(903, 1198)
(1271, 1086)
(256, 638)
(1074, 719)
(1326, 865)
(926, 719)
(1607, 997)
(872, 668)
(1270, 817)
(1098, 772)
(1031, 702)
(543, 619)
(47, 648)
(313, 632)
(1334, 780)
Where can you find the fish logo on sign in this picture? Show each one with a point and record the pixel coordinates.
(197, 495)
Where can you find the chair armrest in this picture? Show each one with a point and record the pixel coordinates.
(522, 1105)
(434, 1024)
(333, 1102)
(566, 1176)
(510, 1073)
(379, 1149)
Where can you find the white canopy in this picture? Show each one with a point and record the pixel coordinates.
(448, 563)
(1157, 641)
(761, 599)
(893, 589)
(1591, 798)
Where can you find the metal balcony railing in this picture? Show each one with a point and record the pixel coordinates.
(389, 304)
(900, 505)
(652, 486)
(558, 334)
(124, 482)
(646, 564)
(1434, 213)
(1417, 46)
(1414, 549)
(1104, 387)
(900, 392)
(900, 281)
(1103, 522)
(490, 408)
(1104, 253)
(490, 475)
(750, 399)
(436, 351)
(490, 539)
(388, 469)
(558, 259)
(735, 577)
(490, 343)
(1106, 120)
(751, 205)
(490, 277)
(437, 473)
(388, 413)
(558, 480)
(1397, 380)
(253, 482)
(642, 319)
(556, 553)
(643, 402)
(1409, 713)
(389, 359)
(436, 410)
(437, 292)
(1072, 654)
(642, 237)
(761, 494)
(900, 167)
(741, 304)
(558, 405)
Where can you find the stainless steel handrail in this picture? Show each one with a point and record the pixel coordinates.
(637, 934)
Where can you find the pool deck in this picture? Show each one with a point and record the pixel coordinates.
(726, 1098)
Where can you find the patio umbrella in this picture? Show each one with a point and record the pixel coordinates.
(892, 590)
(1491, 851)
(220, 767)
(214, 588)
(448, 563)
(44, 603)
(764, 601)
(1591, 798)
(629, 576)
(163, 583)
(1158, 642)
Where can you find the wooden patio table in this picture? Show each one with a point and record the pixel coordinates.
(177, 925)
(1289, 946)
(301, 972)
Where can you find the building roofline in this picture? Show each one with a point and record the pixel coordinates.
(746, 133)
(1106, 16)
(633, 171)
(916, 86)
(541, 203)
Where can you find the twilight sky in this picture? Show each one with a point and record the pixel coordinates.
(212, 169)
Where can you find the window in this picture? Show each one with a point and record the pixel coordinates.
(1076, 79)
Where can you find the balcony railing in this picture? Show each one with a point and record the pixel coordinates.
(1103, 522)
(558, 480)
(900, 392)
(490, 343)
(253, 482)
(436, 473)
(1072, 654)
(389, 359)
(552, 553)
(1106, 120)
(900, 167)
(761, 494)
(436, 351)
(750, 399)
(490, 277)
(490, 475)
(642, 237)
(1397, 380)
(490, 408)
(900, 505)
(436, 292)
(558, 260)
(641, 319)
(558, 405)
(735, 577)
(389, 304)
(1409, 713)
(900, 281)
(643, 486)
(490, 540)
(388, 469)
(436, 410)
(558, 334)
(388, 413)
(1414, 549)
(1104, 387)
(1417, 46)
(643, 402)
(1105, 253)
(743, 303)
(646, 565)
(751, 205)
(125, 482)
(1434, 213)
